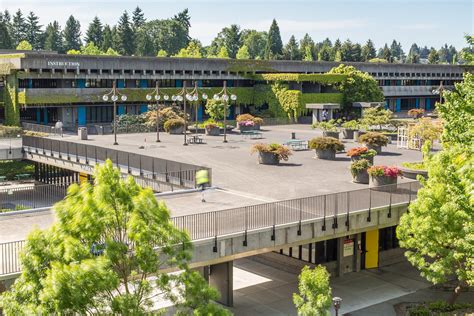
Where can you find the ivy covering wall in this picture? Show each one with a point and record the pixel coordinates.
(316, 78)
(10, 101)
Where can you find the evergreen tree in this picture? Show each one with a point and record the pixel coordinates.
(138, 18)
(356, 52)
(414, 54)
(346, 51)
(243, 53)
(5, 39)
(338, 56)
(396, 51)
(183, 18)
(325, 53)
(95, 32)
(126, 45)
(274, 48)
(33, 31)
(386, 53)
(307, 41)
(72, 34)
(19, 28)
(433, 57)
(308, 55)
(144, 44)
(291, 50)
(368, 51)
(424, 52)
(337, 47)
(53, 38)
(107, 38)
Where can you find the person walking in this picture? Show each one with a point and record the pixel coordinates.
(202, 181)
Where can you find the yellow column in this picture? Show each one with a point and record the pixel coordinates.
(83, 177)
(372, 248)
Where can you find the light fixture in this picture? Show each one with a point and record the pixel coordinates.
(105, 98)
(148, 97)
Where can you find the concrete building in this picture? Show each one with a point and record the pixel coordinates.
(45, 87)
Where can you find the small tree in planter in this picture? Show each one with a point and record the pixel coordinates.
(174, 126)
(326, 147)
(359, 171)
(374, 140)
(329, 128)
(375, 116)
(348, 129)
(416, 113)
(358, 153)
(383, 175)
(271, 154)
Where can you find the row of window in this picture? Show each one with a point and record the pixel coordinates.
(407, 82)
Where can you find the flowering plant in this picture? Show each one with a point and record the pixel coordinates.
(379, 171)
(246, 123)
(211, 125)
(363, 152)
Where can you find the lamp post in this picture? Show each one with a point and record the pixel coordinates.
(439, 91)
(157, 96)
(337, 304)
(185, 95)
(10, 149)
(224, 96)
(114, 95)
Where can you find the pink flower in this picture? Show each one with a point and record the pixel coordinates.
(246, 123)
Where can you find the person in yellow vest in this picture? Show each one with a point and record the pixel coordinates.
(202, 181)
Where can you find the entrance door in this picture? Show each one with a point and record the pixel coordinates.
(372, 249)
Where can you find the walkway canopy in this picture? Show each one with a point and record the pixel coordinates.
(318, 109)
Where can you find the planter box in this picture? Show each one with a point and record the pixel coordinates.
(266, 158)
(177, 130)
(243, 128)
(361, 177)
(214, 131)
(348, 133)
(379, 181)
(412, 173)
(357, 134)
(327, 154)
(355, 158)
(256, 127)
(331, 134)
(378, 149)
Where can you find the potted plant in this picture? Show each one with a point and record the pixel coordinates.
(329, 128)
(358, 153)
(383, 175)
(174, 126)
(212, 128)
(247, 122)
(326, 147)
(411, 170)
(359, 171)
(271, 154)
(257, 121)
(348, 129)
(416, 113)
(374, 140)
(245, 126)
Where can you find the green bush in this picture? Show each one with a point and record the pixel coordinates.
(173, 123)
(10, 131)
(352, 124)
(359, 165)
(329, 126)
(374, 139)
(10, 168)
(326, 143)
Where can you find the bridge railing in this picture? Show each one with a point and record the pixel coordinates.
(31, 196)
(151, 168)
(328, 207)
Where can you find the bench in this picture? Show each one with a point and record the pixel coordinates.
(23, 176)
(195, 139)
(297, 144)
(252, 134)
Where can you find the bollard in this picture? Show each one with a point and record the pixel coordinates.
(293, 135)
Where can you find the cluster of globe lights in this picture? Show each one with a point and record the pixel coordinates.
(114, 98)
(191, 97)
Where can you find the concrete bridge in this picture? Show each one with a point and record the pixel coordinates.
(222, 236)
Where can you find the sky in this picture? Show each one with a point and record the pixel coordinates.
(425, 22)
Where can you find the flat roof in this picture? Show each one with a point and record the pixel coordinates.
(323, 106)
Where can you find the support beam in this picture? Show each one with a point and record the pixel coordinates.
(221, 277)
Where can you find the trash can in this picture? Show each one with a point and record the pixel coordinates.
(82, 133)
(293, 135)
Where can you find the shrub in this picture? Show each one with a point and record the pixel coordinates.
(166, 113)
(329, 126)
(426, 130)
(10, 168)
(173, 123)
(414, 165)
(374, 139)
(353, 124)
(359, 165)
(37, 134)
(363, 152)
(379, 171)
(416, 113)
(248, 118)
(326, 143)
(375, 116)
(281, 151)
(10, 131)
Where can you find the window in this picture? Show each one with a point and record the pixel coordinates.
(388, 238)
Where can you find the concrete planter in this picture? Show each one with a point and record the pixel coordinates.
(348, 133)
(378, 149)
(243, 128)
(412, 173)
(357, 134)
(256, 127)
(213, 131)
(331, 134)
(370, 159)
(380, 181)
(327, 154)
(361, 177)
(266, 158)
(177, 130)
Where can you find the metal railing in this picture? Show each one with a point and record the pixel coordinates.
(47, 129)
(168, 172)
(328, 207)
(31, 196)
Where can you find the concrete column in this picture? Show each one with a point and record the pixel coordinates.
(346, 262)
(221, 277)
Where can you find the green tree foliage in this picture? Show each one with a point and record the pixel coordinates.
(433, 57)
(223, 53)
(5, 39)
(291, 51)
(100, 256)
(125, 36)
(138, 19)
(359, 86)
(53, 38)
(306, 42)
(231, 39)
(72, 34)
(184, 19)
(192, 51)
(33, 31)
(19, 26)
(314, 298)
(169, 35)
(368, 51)
(386, 53)
(24, 45)
(256, 42)
(95, 32)
(325, 53)
(375, 116)
(414, 54)
(308, 54)
(162, 53)
(215, 109)
(467, 53)
(274, 47)
(107, 38)
(144, 43)
(396, 52)
(243, 53)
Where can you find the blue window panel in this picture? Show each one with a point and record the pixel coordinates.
(428, 104)
(179, 83)
(231, 113)
(121, 109)
(143, 83)
(200, 112)
(81, 116)
(386, 104)
(398, 105)
(81, 83)
(230, 83)
(30, 83)
(199, 83)
(417, 103)
(45, 121)
(143, 108)
(38, 115)
(120, 83)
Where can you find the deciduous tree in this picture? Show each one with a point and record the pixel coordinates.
(314, 297)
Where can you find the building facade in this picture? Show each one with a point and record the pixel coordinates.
(46, 87)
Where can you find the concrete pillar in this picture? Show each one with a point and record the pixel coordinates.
(347, 255)
(221, 277)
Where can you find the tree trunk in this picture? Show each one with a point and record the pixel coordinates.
(456, 293)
